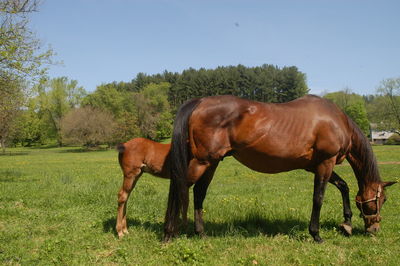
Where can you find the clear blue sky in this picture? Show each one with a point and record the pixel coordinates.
(338, 44)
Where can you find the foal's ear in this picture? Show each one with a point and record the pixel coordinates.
(388, 184)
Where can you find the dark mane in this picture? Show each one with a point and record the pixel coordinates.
(366, 168)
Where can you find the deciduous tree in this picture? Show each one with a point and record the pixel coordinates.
(88, 126)
(27, 127)
(11, 99)
(56, 98)
(21, 53)
(119, 103)
(22, 59)
(153, 111)
(353, 105)
(390, 89)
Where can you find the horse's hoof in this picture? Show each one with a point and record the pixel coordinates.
(318, 240)
(201, 235)
(167, 238)
(347, 229)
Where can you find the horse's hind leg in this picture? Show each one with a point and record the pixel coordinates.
(185, 206)
(128, 184)
(199, 193)
(336, 180)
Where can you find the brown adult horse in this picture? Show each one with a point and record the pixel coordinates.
(308, 133)
(135, 157)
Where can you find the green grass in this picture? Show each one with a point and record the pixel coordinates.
(58, 206)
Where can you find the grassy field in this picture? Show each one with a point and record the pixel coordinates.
(58, 206)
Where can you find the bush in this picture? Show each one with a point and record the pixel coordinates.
(87, 126)
(393, 140)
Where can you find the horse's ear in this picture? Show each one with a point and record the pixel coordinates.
(388, 184)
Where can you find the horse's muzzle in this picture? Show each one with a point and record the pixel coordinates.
(372, 229)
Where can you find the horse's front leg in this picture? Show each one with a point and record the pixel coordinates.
(346, 226)
(322, 175)
(128, 184)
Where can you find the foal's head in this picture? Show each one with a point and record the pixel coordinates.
(370, 202)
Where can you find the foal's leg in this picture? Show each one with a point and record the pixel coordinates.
(336, 180)
(199, 193)
(322, 175)
(128, 184)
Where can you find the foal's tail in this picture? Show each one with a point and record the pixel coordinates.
(179, 160)
(121, 149)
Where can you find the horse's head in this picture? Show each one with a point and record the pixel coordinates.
(370, 202)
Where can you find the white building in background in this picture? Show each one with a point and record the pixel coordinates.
(380, 137)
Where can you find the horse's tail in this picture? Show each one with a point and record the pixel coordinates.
(179, 161)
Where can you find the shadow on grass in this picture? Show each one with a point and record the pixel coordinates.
(81, 150)
(255, 225)
(44, 146)
(252, 226)
(13, 153)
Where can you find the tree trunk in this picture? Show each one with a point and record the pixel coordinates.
(3, 144)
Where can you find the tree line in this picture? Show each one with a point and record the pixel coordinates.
(37, 110)
(266, 83)
(61, 111)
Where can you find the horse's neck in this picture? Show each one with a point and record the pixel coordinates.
(357, 169)
(366, 174)
(362, 159)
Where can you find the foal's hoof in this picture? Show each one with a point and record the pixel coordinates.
(121, 234)
(347, 229)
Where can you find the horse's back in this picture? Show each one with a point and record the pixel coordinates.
(269, 137)
(145, 154)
